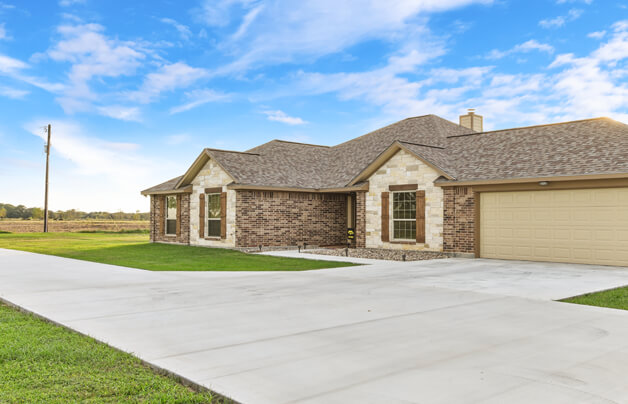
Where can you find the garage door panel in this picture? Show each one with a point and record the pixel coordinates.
(543, 252)
(583, 254)
(562, 234)
(583, 226)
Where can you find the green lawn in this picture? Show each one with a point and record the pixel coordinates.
(134, 250)
(615, 299)
(44, 363)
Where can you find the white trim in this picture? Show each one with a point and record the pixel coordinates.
(392, 220)
(166, 216)
(207, 218)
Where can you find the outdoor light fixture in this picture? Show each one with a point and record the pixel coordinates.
(543, 183)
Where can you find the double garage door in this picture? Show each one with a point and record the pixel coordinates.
(588, 226)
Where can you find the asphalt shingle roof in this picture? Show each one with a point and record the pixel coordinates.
(593, 146)
(164, 186)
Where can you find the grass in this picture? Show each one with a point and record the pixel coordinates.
(134, 250)
(124, 231)
(614, 299)
(44, 363)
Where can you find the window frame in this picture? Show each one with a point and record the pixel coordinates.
(216, 219)
(166, 217)
(393, 219)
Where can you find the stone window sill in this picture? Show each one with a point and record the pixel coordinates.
(212, 238)
(403, 242)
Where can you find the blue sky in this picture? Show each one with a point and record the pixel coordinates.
(135, 90)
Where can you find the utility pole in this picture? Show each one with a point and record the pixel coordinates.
(46, 197)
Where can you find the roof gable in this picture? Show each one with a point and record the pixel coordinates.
(219, 156)
(416, 150)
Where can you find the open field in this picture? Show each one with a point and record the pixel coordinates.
(44, 363)
(135, 251)
(32, 226)
(614, 299)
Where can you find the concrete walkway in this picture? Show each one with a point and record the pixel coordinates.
(441, 331)
(309, 256)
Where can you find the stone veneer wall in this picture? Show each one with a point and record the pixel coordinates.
(272, 218)
(212, 176)
(157, 216)
(404, 168)
(459, 224)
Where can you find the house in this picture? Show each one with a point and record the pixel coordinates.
(556, 192)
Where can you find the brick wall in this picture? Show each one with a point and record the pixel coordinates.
(270, 218)
(360, 219)
(157, 217)
(459, 220)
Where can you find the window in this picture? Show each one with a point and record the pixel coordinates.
(404, 215)
(213, 215)
(171, 214)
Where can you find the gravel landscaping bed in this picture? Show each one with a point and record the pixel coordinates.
(380, 254)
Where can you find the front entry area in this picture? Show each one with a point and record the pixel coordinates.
(587, 226)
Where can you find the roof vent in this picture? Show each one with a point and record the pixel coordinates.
(472, 121)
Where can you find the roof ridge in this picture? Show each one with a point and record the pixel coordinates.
(231, 151)
(384, 127)
(420, 144)
(301, 143)
(533, 126)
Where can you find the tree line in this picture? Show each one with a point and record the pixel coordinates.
(9, 211)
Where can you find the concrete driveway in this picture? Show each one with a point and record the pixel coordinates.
(443, 331)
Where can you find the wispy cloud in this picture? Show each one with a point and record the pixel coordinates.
(184, 30)
(561, 20)
(196, 98)
(246, 22)
(597, 34)
(13, 92)
(67, 3)
(91, 155)
(121, 112)
(280, 116)
(572, 88)
(280, 32)
(574, 1)
(92, 54)
(3, 32)
(10, 65)
(168, 78)
(86, 156)
(528, 46)
(178, 139)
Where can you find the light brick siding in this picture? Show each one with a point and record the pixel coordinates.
(403, 168)
(211, 176)
(157, 218)
(360, 219)
(270, 218)
(459, 224)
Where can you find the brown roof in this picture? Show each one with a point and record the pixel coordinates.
(587, 147)
(592, 146)
(164, 186)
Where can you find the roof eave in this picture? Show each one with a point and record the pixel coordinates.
(250, 187)
(185, 190)
(455, 183)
